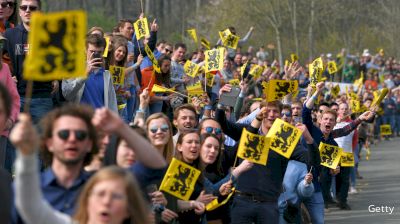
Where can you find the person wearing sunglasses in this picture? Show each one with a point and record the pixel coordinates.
(286, 114)
(211, 126)
(7, 15)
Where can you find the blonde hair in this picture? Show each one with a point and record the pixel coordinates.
(169, 147)
(137, 207)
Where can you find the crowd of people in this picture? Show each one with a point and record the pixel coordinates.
(94, 151)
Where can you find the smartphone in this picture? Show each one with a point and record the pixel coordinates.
(297, 120)
(97, 55)
(229, 98)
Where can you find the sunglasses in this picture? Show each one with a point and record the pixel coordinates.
(210, 130)
(6, 5)
(31, 8)
(168, 50)
(287, 114)
(80, 135)
(163, 128)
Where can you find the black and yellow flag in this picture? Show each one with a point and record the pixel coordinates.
(284, 137)
(152, 58)
(55, 46)
(332, 68)
(316, 69)
(117, 74)
(253, 147)
(256, 71)
(141, 28)
(243, 68)
(347, 159)
(335, 91)
(205, 43)
(214, 59)
(294, 57)
(195, 87)
(191, 69)
(214, 204)
(180, 179)
(330, 155)
(234, 82)
(277, 89)
(355, 106)
(161, 89)
(386, 130)
(378, 98)
(228, 39)
(193, 34)
(359, 82)
(210, 79)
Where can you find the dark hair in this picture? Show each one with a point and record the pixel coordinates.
(333, 104)
(119, 42)
(184, 107)
(216, 167)
(323, 104)
(286, 107)
(14, 16)
(178, 45)
(161, 42)
(38, 1)
(196, 164)
(121, 22)
(6, 98)
(96, 40)
(83, 112)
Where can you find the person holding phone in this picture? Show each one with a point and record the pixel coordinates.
(97, 88)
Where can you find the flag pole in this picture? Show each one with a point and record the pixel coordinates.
(28, 96)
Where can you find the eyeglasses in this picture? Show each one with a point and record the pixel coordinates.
(287, 114)
(210, 130)
(80, 135)
(31, 8)
(163, 128)
(6, 5)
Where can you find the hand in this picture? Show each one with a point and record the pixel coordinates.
(320, 86)
(292, 71)
(15, 79)
(24, 135)
(55, 86)
(335, 171)
(243, 86)
(168, 215)
(306, 134)
(226, 88)
(107, 121)
(9, 124)
(186, 79)
(144, 99)
(367, 115)
(262, 113)
(251, 28)
(141, 15)
(226, 188)
(198, 207)
(130, 57)
(205, 198)
(308, 178)
(93, 63)
(158, 197)
(196, 104)
(154, 26)
(139, 59)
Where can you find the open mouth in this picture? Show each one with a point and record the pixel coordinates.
(105, 216)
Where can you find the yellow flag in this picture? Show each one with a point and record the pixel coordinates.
(160, 89)
(359, 82)
(214, 204)
(294, 57)
(382, 94)
(141, 28)
(315, 70)
(117, 74)
(228, 39)
(277, 89)
(253, 147)
(180, 179)
(214, 59)
(195, 87)
(335, 91)
(193, 34)
(191, 69)
(256, 71)
(152, 58)
(332, 68)
(210, 79)
(205, 43)
(330, 155)
(243, 68)
(347, 159)
(105, 54)
(284, 137)
(55, 46)
(234, 82)
(199, 94)
(386, 130)
(355, 106)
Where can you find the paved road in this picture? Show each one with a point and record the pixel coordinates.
(380, 187)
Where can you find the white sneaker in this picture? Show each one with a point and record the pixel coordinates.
(353, 190)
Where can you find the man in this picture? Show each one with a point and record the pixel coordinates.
(185, 118)
(286, 113)
(178, 77)
(227, 72)
(347, 143)
(69, 141)
(97, 90)
(16, 49)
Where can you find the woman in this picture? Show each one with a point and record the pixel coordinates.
(119, 58)
(159, 132)
(9, 19)
(162, 79)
